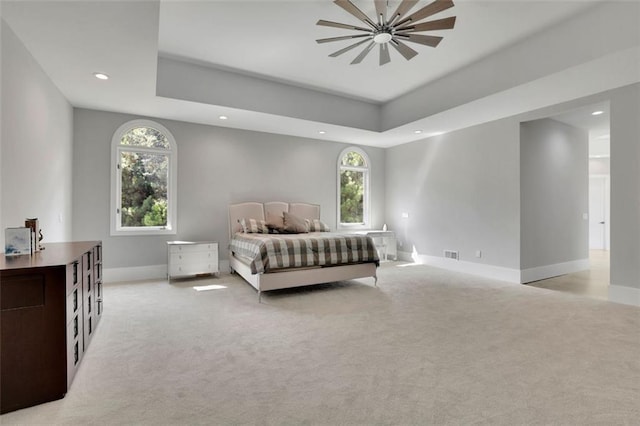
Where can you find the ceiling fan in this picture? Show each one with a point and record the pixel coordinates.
(392, 30)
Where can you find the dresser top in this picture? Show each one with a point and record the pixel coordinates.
(54, 254)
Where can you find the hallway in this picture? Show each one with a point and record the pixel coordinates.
(593, 283)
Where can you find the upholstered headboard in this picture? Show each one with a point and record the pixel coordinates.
(253, 210)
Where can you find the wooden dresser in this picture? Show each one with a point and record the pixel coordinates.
(51, 303)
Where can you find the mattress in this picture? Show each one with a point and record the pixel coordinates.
(270, 252)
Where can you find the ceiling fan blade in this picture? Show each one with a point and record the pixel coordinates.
(364, 53)
(439, 24)
(381, 11)
(402, 9)
(430, 9)
(327, 40)
(352, 9)
(324, 23)
(348, 48)
(403, 49)
(384, 53)
(427, 40)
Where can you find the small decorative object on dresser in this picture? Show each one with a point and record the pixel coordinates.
(17, 241)
(34, 225)
(185, 258)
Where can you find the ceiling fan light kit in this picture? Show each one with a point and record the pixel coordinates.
(392, 30)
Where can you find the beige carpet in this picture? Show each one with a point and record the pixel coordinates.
(427, 347)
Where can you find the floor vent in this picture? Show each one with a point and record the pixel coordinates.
(451, 254)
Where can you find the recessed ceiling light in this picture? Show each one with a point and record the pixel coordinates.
(597, 112)
(223, 117)
(322, 132)
(101, 76)
(417, 132)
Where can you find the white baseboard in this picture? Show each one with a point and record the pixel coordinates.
(549, 271)
(480, 269)
(139, 273)
(498, 272)
(625, 295)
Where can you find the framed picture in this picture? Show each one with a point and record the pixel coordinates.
(17, 241)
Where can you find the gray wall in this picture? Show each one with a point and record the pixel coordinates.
(461, 191)
(625, 187)
(36, 145)
(447, 185)
(554, 192)
(216, 166)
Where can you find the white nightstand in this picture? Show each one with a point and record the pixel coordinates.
(186, 258)
(385, 242)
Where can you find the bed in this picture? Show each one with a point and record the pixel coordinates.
(307, 258)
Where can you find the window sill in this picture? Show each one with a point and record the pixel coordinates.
(140, 232)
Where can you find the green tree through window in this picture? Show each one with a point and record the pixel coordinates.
(144, 187)
(354, 179)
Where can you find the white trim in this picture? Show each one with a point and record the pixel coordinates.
(479, 269)
(625, 295)
(497, 272)
(172, 189)
(137, 273)
(150, 272)
(548, 271)
(366, 216)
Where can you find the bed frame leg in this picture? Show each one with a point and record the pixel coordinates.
(259, 296)
(375, 281)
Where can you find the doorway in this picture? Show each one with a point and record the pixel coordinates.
(593, 282)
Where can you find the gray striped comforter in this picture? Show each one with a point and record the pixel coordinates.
(269, 252)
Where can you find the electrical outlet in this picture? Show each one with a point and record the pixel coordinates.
(478, 253)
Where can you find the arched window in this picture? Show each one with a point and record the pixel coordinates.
(353, 188)
(143, 179)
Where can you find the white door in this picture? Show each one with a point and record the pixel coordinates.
(597, 213)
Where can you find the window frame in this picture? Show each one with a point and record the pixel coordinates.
(366, 214)
(116, 180)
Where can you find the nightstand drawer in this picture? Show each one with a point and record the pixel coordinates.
(193, 248)
(188, 258)
(193, 269)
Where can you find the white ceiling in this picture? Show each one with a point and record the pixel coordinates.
(275, 41)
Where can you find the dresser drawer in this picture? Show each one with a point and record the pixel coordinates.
(74, 275)
(74, 347)
(74, 304)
